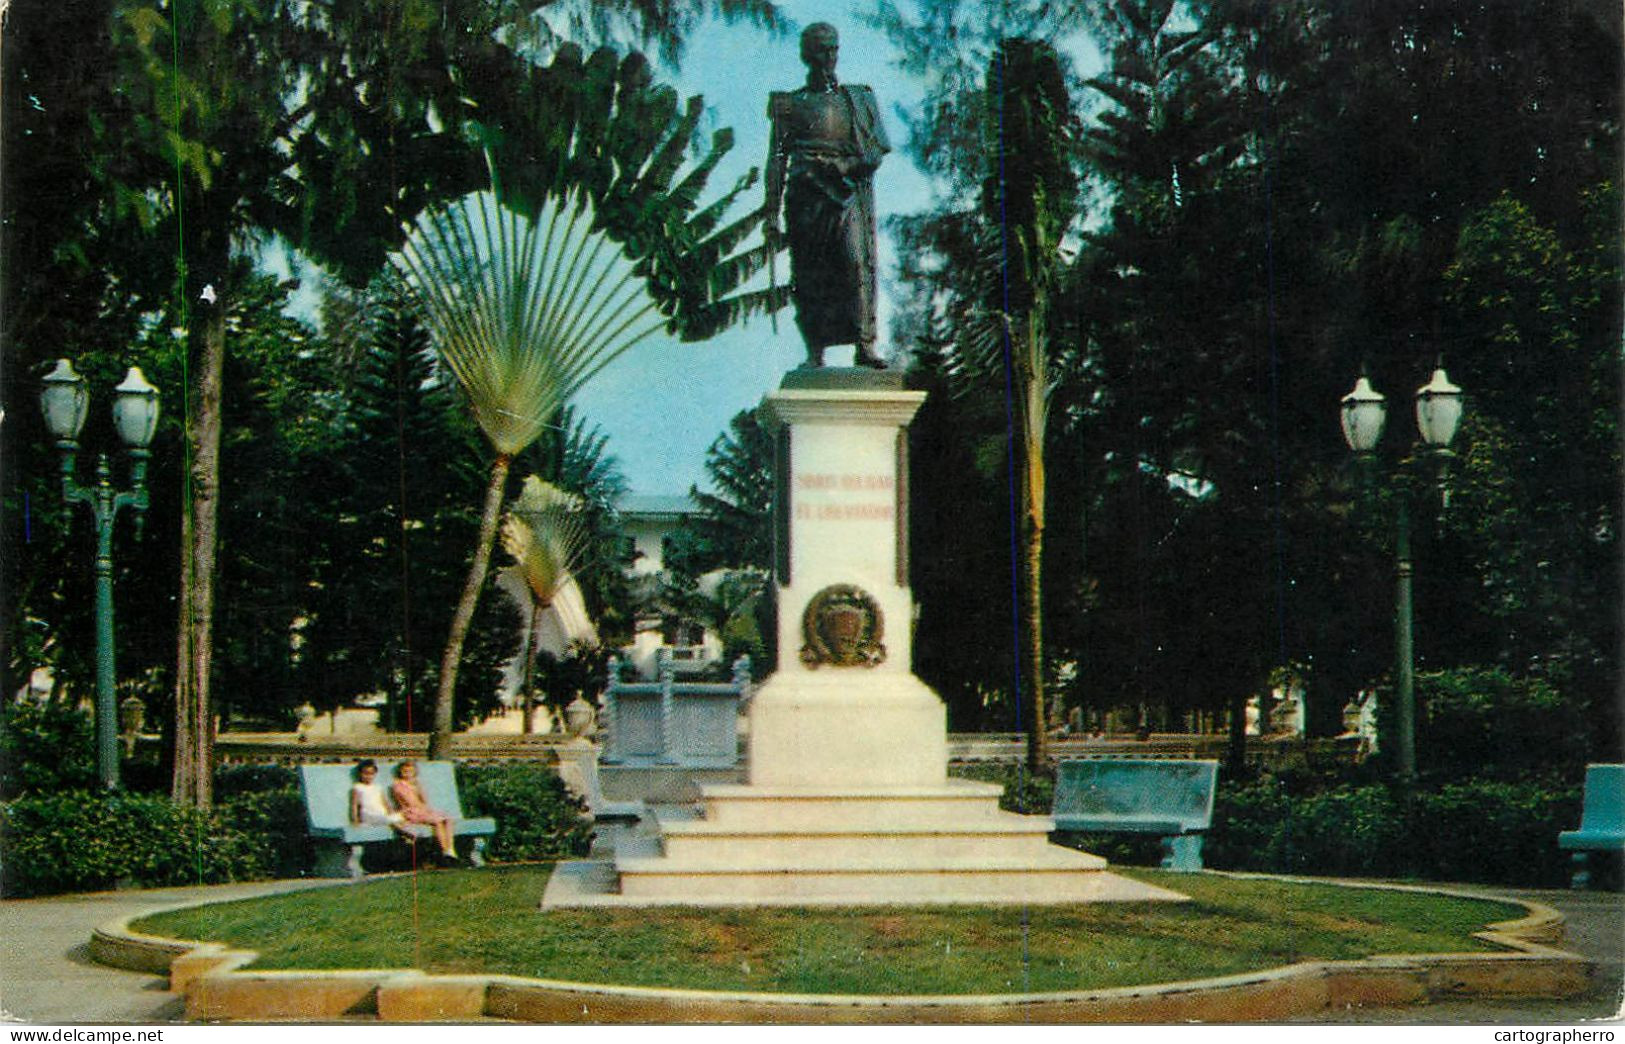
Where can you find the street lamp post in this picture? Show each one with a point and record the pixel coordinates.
(66, 402)
(1438, 412)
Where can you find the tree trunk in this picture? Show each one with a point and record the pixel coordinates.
(440, 737)
(193, 780)
(1032, 653)
(529, 683)
(1032, 538)
(1236, 749)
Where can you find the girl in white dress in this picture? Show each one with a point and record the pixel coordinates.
(367, 803)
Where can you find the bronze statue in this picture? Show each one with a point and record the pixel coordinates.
(827, 141)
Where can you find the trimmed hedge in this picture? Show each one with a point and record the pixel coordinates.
(537, 815)
(1486, 831)
(45, 748)
(1477, 723)
(85, 840)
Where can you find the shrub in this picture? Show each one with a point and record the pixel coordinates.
(273, 821)
(45, 748)
(1483, 723)
(537, 816)
(232, 780)
(1486, 831)
(1026, 792)
(88, 840)
(1494, 831)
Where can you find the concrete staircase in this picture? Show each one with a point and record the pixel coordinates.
(947, 843)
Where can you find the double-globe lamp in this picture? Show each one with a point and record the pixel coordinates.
(1438, 412)
(66, 403)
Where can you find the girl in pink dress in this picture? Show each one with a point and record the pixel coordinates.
(414, 808)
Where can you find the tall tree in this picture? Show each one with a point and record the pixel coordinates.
(1029, 200)
(523, 313)
(1175, 284)
(545, 532)
(734, 527)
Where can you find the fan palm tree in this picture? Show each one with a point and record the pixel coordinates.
(523, 312)
(546, 533)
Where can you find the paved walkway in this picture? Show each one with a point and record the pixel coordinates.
(46, 975)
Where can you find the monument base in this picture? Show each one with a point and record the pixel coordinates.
(865, 730)
(848, 798)
(947, 843)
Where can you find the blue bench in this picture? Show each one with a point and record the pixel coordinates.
(339, 842)
(1171, 799)
(1602, 820)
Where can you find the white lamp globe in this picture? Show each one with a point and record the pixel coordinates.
(65, 401)
(1364, 411)
(1438, 410)
(135, 410)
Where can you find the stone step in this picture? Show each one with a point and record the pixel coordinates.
(986, 881)
(837, 860)
(770, 808)
(703, 843)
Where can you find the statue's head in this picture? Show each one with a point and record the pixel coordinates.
(820, 44)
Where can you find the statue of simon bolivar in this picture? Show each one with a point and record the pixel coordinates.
(827, 140)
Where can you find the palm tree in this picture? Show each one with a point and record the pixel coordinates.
(523, 311)
(546, 533)
(1029, 199)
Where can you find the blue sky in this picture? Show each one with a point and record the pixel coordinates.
(664, 402)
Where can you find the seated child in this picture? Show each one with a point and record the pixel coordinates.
(367, 798)
(414, 808)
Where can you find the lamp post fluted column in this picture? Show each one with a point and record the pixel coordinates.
(1404, 648)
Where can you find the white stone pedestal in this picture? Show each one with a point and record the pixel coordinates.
(848, 798)
(842, 519)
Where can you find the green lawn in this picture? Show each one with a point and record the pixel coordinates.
(489, 921)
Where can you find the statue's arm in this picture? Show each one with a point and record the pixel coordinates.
(776, 163)
(871, 132)
(882, 143)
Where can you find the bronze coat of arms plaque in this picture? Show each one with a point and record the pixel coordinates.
(842, 627)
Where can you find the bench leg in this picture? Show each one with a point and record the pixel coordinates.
(1182, 852)
(1581, 879)
(476, 852)
(337, 859)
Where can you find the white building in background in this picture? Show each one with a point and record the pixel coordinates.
(649, 522)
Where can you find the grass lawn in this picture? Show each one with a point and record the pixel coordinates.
(489, 921)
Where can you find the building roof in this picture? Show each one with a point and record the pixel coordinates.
(655, 505)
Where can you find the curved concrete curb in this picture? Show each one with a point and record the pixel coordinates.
(218, 987)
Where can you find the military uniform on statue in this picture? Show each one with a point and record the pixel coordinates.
(826, 143)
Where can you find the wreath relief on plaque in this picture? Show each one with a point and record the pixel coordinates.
(842, 627)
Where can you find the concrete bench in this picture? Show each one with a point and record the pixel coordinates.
(339, 842)
(1602, 820)
(1170, 799)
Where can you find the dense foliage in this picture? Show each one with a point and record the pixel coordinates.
(537, 816)
(74, 841)
(45, 747)
(1374, 830)
(153, 146)
(1275, 197)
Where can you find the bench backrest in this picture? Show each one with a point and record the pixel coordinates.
(1178, 790)
(326, 789)
(1604, 798)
